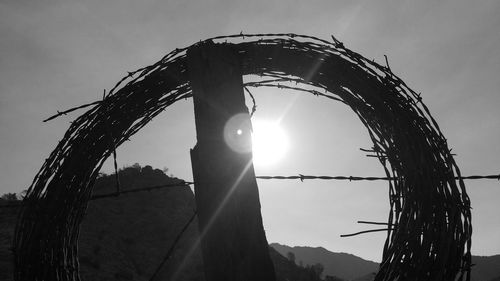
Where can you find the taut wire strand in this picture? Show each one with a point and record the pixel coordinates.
(172, 247)
(299, 177)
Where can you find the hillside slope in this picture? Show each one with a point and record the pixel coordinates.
(486, 268)
(8, 218)
(126, 237)
(350, 267)
(345, 266)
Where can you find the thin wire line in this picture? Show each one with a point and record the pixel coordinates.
(299, 177)
(357, 178)
(172, 247)
(363, 232)
(140, 189)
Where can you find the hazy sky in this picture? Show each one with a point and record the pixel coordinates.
(58, 54)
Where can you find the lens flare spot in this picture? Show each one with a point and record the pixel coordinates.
(236, 133)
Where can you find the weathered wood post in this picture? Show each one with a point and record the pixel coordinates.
(233, 242)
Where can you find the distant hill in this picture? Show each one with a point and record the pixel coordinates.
(345, 266)
(350, 267)
(8, 218)
(126, 237)
(486, 268)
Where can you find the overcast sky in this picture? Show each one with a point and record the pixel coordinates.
(58, 54)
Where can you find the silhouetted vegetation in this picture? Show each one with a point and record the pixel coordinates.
(9, 197)
(333, 278)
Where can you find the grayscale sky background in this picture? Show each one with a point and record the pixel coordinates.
(58, 54)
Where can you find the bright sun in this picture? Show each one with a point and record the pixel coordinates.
(269, 142)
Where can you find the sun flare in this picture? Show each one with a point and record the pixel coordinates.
(269, 142)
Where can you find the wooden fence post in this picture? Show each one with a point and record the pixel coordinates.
(233, 242)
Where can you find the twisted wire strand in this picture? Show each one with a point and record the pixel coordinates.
(275, 177)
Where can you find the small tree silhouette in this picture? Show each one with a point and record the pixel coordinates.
(9, 197)
(333, 278)
(318, 269)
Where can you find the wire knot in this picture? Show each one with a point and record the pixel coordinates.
(302, 177)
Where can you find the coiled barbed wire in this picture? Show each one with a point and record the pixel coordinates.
(429, 209)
